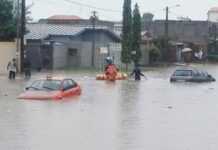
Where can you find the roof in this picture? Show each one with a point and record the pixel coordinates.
(64, 17)
(41, 30)
(186, 50)
(213, 9)
(38, 31)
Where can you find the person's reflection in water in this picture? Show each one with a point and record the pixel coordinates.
(129, 118)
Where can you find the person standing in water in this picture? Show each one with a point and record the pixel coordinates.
(137, 72)
(110, 69)
(27, 68)
(12, 69)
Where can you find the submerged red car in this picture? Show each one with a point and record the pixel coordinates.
(51, 89)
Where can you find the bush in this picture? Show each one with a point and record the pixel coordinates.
(154, 54)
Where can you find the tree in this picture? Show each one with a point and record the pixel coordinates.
(7, 21)
(154, 54)
(17, 14)
(127, 33)
(136, 51)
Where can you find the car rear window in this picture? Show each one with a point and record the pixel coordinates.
(183, 73)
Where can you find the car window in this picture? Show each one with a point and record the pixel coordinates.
(65, 84)
(198, 73)
(183, 73)
(37, 84)
(72, 83)
(68, 84)
(52, 84)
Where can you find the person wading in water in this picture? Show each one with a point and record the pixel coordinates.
(137, 72)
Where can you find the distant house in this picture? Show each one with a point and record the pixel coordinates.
(55, 46)
(76, 21)
(213, 14)
(64, 17)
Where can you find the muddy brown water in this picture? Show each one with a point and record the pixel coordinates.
(149, 115)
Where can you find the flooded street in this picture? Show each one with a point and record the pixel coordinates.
(149, 115)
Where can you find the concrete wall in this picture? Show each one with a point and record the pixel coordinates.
(8, 52)
(59, 56)
(74, 59)
(86, 54)
(181, 31)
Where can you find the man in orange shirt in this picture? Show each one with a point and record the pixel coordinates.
(110, 69)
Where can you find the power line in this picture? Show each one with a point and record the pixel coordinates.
(93, 7)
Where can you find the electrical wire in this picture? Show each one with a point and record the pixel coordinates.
(92, 7)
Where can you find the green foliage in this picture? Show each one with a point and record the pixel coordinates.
(213, 57)
(160, 42)
(154, 54)
(127, 32)
(136, 35)
(7, 21)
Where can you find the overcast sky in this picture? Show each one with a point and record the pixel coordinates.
(194, 9)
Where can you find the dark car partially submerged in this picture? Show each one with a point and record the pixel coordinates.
(191, 75)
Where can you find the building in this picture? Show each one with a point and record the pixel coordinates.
(213, 14)
(76, 21)
(56, 45)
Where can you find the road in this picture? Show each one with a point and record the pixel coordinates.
(149, 115)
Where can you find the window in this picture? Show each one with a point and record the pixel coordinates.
(68, 84)
(72, 52)
(46, 85)
(52, 85)
(183, 73)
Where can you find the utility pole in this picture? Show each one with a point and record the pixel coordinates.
(93, 20)
(18, 26)
(215, 36)
(166, 32)
(167, 23)
(167, 29)
(22, 33)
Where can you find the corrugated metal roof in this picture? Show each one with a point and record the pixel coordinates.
(41, 31)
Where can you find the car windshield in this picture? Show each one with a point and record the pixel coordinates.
(51, 85)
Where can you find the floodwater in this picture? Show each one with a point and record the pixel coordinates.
(149, 115)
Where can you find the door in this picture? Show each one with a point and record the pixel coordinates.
(73, 57)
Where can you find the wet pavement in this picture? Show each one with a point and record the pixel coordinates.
(149, 115)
